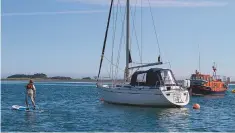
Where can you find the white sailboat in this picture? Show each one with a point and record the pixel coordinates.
(151, 87)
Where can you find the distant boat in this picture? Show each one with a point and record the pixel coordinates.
(202, 84)
(150, 87)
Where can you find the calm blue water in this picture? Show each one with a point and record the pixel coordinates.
(76, 107)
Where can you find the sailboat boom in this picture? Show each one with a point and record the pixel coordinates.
(146, 65)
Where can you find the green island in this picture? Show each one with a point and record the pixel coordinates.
(40, 77)
(44, 77)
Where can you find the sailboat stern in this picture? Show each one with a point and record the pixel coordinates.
(177, 97)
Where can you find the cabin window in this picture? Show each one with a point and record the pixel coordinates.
(167, 77)
(153, 78)
(141, 79)
(193, 77)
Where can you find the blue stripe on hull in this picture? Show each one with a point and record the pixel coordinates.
(138, 105)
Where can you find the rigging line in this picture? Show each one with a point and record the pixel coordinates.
(135, 8)
(154, 28)
(113, 64)
(141, 32)
(114, 33)
(131, 41)
(112, 44)
(109, 72)
(134, 29)
(118, 58)
(106, 33)
(121, 38)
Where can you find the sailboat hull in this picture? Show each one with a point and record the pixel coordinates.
(140, 96)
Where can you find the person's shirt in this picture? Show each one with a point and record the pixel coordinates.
(31, 86)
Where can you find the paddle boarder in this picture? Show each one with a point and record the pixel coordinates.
(30, 92)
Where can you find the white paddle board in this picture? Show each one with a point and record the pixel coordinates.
(22, 108)
(18, 107)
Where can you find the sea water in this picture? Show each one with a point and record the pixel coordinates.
(72, 106)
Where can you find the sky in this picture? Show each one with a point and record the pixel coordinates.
(65, 37)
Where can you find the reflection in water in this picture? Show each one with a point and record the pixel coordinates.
(172, 112)
(30, 117)
(159, 119)
(215, 96)
(172, 119)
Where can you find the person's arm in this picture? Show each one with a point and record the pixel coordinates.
(34, 91)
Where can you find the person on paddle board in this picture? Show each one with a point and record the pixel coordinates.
(30, 92)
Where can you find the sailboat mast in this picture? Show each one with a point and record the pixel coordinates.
(127, 39)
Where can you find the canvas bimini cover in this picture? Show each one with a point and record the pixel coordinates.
(151, 77)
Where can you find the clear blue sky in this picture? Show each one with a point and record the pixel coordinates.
(65, 37)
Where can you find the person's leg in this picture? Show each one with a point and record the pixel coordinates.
(32, 100)
(26, 102)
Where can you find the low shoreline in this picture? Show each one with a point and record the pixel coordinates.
(73, 80)
(58, 80)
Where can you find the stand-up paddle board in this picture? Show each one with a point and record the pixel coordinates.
(18, 107)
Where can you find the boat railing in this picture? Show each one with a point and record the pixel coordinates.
(212, 78)
(220, 77)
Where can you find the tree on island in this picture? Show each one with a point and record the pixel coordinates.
(87, 78)
(37, 75)
(60, 77)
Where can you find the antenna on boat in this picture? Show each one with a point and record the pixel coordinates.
(199, 59)
(214, 70)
